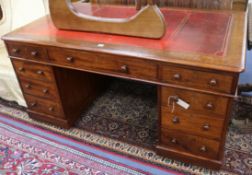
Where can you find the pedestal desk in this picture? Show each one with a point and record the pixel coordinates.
(197, 62)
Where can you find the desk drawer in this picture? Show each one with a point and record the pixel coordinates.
(44, 106)
(33, 71)
(27, 51)
(192, 123)
(200, 103)
(197, 79)
(190, 144)
(39, 88)
(119, 65)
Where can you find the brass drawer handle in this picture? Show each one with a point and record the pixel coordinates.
(21, 69)
(70, 59)
(40, 72)
(33, 104)
(174, 140)
(45, 91)
(213, 82)
(203, 149)
(125, 69)
(175, 120)
(210, 106)
(15, 50)
(177, 77)
(51, 109)
(28, 86)
(34, 53)
(206, 127)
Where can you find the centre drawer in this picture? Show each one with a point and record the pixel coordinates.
(200, 103)
(117, 65)
(195, 124)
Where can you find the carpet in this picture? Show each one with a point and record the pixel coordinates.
(111, 124)
(28, 150)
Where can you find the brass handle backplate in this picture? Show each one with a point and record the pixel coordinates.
(203, 149)
(174, 140)
(206, 127)
(45, 91)
(70, 59)
(177, 76)
(125, 69)
(33, 104)
(213, 82)
(34, 53)
(210, 106)
(175, 120)
(40, 72)
(15, 50)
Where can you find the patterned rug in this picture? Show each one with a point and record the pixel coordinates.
(123, 120)
(28, 150)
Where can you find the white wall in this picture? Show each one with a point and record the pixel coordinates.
(22, 12)
(25, 11)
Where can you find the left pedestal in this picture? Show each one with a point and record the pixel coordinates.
(55, 95)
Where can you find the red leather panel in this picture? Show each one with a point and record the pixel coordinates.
(187, 31)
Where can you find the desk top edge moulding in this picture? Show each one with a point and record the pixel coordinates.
(148, 22)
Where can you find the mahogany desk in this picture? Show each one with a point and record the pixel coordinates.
(199, 61)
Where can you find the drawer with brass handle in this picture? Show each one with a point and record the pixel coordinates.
(33, 70)
(27, 51)
(44, 106)
(39, 88)
(116, 65)
(184, 142)
(199, 103)
(195, 124)
(198, 79)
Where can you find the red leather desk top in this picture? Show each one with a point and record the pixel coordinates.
(192, 37)
(187, 31)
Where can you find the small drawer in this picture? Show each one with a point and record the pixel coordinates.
(200, 103)
(39, 88)
(16, 50)
(44, 106)
(222, 82)
(33, 70)
(201, 125)
(116, 65)
(27, 51)
(36, 53)
(190, 144)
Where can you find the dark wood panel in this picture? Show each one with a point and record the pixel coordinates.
(49, 119)
(121, 65)
(33, 71)
(32, 52)
(46, 90)
(214, 81)
(44, 106)
(201, 125)
(200, 103)
(77, 90)
(188, 157)
(181, 141)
